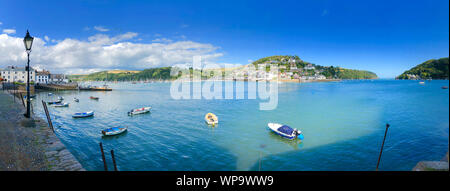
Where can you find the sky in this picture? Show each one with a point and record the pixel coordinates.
(74, 37)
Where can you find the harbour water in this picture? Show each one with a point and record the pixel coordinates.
(343, 124)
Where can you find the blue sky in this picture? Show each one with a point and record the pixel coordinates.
(386, 37)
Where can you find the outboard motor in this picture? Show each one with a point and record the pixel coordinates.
(295, 133)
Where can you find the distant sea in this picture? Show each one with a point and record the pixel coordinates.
(343, 124)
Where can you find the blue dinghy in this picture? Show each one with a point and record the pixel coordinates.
(285, 131)
(83, 114)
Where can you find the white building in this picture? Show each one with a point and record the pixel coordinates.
(42, 77)
(58, 79)
(310, 67)
(17, 74)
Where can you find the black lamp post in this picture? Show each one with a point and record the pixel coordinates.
(28, 42)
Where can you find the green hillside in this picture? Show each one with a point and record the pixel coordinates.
(152, 73)
(431, 69)
(290, 64)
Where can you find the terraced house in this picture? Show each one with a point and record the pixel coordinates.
(17, 74)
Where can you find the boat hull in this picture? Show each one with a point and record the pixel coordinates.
(111, 132)
(140, 111)
(211, 119)
(274, 128)
(54, 102)
(83, 115)
(62, 105)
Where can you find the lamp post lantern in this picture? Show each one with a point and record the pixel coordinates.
(28, 42)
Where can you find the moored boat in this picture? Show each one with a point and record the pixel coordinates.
(421, 82)
(50, 94)
(76, 99)
(61, 105)
(444, 87)
(211, 119)
(83, 114)
(60, 98)
(31, 96)
(139, 111)
(54, 102)
(285, 131)
(114, 131)
(92, 97)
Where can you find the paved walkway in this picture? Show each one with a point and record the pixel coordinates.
(29, 148)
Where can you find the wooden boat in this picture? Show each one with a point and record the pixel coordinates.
(61, 105)
(54, 102)
(444, 87)
(139, 111)
(76, 100)
(83, 114)
(211, 119)
(92, 97)
(114, 131)
(285, 131)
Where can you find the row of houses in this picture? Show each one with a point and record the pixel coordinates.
(19, 74)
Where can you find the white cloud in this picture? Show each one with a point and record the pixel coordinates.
(1, 23)
(163, 40)
(9, 31)
(102, 52)
(184, 26)
(101, 28)
(46, 38)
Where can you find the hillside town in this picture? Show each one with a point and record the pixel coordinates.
(288, 70)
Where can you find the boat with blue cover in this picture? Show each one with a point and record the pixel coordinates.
(114, 131)
(285, 131)
(83, 114)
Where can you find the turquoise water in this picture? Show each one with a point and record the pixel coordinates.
(343, 124)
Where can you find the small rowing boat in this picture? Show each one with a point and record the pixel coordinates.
(92, 97)
(60, 98)
(285, 131)
(50, 94)
(139, 111)
(61, 105)
(75, 99)
(54, 102)
(211, 119)
(444, 87)
(83, 114)
(114, 131)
